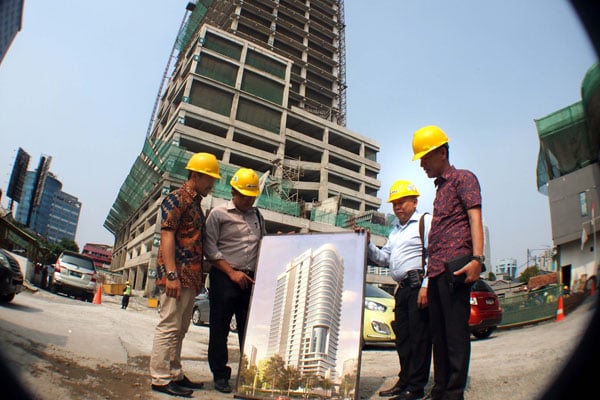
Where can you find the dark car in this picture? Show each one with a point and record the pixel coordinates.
(74, 274)
(201, 311)
(11, 277)
(486, 312)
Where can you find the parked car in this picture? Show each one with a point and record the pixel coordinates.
(201, 311)
(378, 315)
(11, 277)
(486, 312)
(74, 274)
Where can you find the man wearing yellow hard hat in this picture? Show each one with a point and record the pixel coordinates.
(405, 255)
(126, 294)
(455, 260)
(233, 234)
(179, 273)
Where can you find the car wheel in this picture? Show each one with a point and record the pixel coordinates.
(484, 333)
(6, 298)
(196, 316)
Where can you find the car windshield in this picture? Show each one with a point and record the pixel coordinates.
(374, 291)
(79, 261)
(481, 286)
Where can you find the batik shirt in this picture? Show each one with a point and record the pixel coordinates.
(181, 212)
(457, 191)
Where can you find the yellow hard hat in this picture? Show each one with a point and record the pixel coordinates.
(245, 181)
(401, 189)
(205, 163)
(426, 139)
(127, 283)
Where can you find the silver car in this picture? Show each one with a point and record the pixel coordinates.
(74, 274)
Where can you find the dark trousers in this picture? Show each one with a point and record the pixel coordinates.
(449, 311)
(226, 300)
(125, 301)
(413, 340)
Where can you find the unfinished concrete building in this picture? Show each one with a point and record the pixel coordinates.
(260, 84)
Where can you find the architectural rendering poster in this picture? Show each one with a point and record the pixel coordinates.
(303, 338)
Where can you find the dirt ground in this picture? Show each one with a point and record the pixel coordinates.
(512, 364)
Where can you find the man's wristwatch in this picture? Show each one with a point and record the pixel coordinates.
(481, 259)
(172, 276)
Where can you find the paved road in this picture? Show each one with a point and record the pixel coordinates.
(68, 349)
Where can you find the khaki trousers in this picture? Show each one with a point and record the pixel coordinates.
(175, 317)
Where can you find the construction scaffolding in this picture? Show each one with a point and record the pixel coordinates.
(160, 159)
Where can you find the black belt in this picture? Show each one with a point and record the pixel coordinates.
(406, 281)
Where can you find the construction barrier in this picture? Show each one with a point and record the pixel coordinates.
(152, 302)
(98, 295)
(560, 314)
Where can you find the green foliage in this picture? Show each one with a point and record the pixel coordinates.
(491, 276)
(529, 272)
(54, 249)
(275, 372)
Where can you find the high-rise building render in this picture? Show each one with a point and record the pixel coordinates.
(305, 323)
(261, 85)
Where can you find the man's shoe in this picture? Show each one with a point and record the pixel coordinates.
(408, 395)
(173, 390)
(222, 385)
(186, 383)
(433, 395)
(393, 391)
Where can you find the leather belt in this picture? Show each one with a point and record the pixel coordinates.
(406, 281)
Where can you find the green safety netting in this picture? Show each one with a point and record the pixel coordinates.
(569, 137)
(188, 30)
(159, 159)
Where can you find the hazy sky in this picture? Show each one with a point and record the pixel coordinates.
(80, 81)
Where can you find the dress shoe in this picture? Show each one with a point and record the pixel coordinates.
(409, 395)
(222, 385)
(173, 390)
(393, 391)
(433, 395)
(186, 383)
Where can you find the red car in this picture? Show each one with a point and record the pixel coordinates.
(486, 312)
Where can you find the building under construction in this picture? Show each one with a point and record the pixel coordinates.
(260, 84)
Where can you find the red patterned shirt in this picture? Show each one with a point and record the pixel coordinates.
(181, 212)
(457, 191)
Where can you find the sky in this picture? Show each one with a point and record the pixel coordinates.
(80, 81)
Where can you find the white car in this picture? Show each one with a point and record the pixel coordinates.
(74, 274)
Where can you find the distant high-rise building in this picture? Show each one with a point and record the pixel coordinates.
(57, 214)
(11, 20)
(506, 269)
(260, 84)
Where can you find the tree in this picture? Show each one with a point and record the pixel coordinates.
(528, 272)
(274, 373)
(54, 249)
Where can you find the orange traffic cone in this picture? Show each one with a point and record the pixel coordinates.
(98, 295)
(560, 315)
